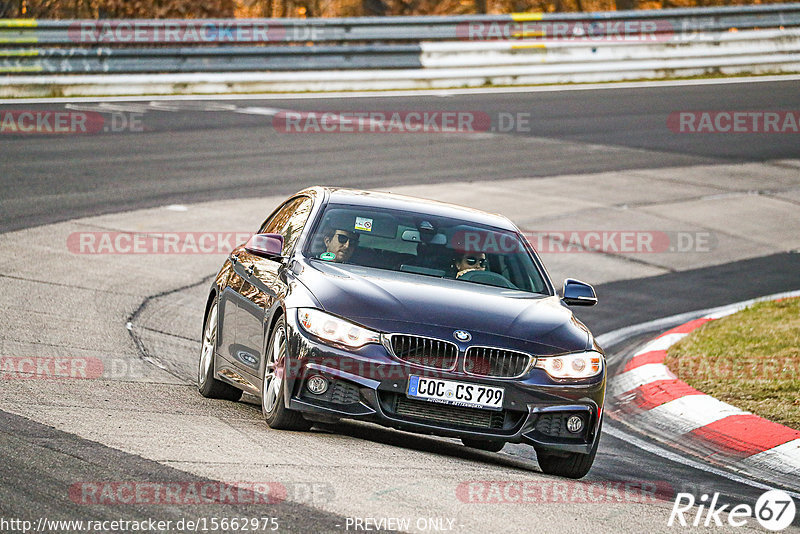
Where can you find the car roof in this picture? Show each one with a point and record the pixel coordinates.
(356, 197)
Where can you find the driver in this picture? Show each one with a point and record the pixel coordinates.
(341, 243)
(470, 261)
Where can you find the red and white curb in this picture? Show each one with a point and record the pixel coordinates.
(647, 395)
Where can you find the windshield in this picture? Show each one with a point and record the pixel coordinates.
(425, 245)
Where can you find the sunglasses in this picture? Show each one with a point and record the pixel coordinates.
(472, 261)
(344, 238)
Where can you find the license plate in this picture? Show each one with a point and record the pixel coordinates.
(455, 393)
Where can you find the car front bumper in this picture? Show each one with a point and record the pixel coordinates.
(370, 384)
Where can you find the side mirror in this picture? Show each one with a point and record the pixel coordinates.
(577, 293)
(265, 245)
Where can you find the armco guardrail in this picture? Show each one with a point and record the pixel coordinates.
(394, 52)
(408, 29)
(209, 59)
(718, 46)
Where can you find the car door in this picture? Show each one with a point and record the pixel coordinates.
(264, 284)
(228, 307)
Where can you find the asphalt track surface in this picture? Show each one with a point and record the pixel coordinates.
(182, 156)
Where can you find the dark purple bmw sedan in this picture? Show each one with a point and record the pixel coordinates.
(409, 313)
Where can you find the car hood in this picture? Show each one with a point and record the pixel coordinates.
(390, 301)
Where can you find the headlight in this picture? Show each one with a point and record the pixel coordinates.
(580, 365)
(335, 330)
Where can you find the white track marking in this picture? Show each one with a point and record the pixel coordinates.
(638, 376)
(722, 313)
(258, 111)
(661, 343)
(106, 107)
(612, 430)
(686, 413)
(760, 460)
(187, 105)
(783, 458)
(405, 93)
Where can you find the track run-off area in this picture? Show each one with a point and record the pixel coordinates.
(661, 221)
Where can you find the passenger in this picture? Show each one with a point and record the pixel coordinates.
(469, 261)
(341, 243)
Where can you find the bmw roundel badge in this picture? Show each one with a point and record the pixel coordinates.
(462, 335)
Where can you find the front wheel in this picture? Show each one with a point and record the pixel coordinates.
(277, 415)
(569, 465)
(207, 384)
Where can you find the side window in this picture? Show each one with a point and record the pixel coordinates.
(295, 224)
(289, 222)
(276, 222)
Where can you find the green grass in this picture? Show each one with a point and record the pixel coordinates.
(750, 359)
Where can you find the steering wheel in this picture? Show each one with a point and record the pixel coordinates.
(488, 278)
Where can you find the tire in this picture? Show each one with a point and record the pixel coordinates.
(207, 384)
(484, 445)
(273, 384)
(569, 465)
